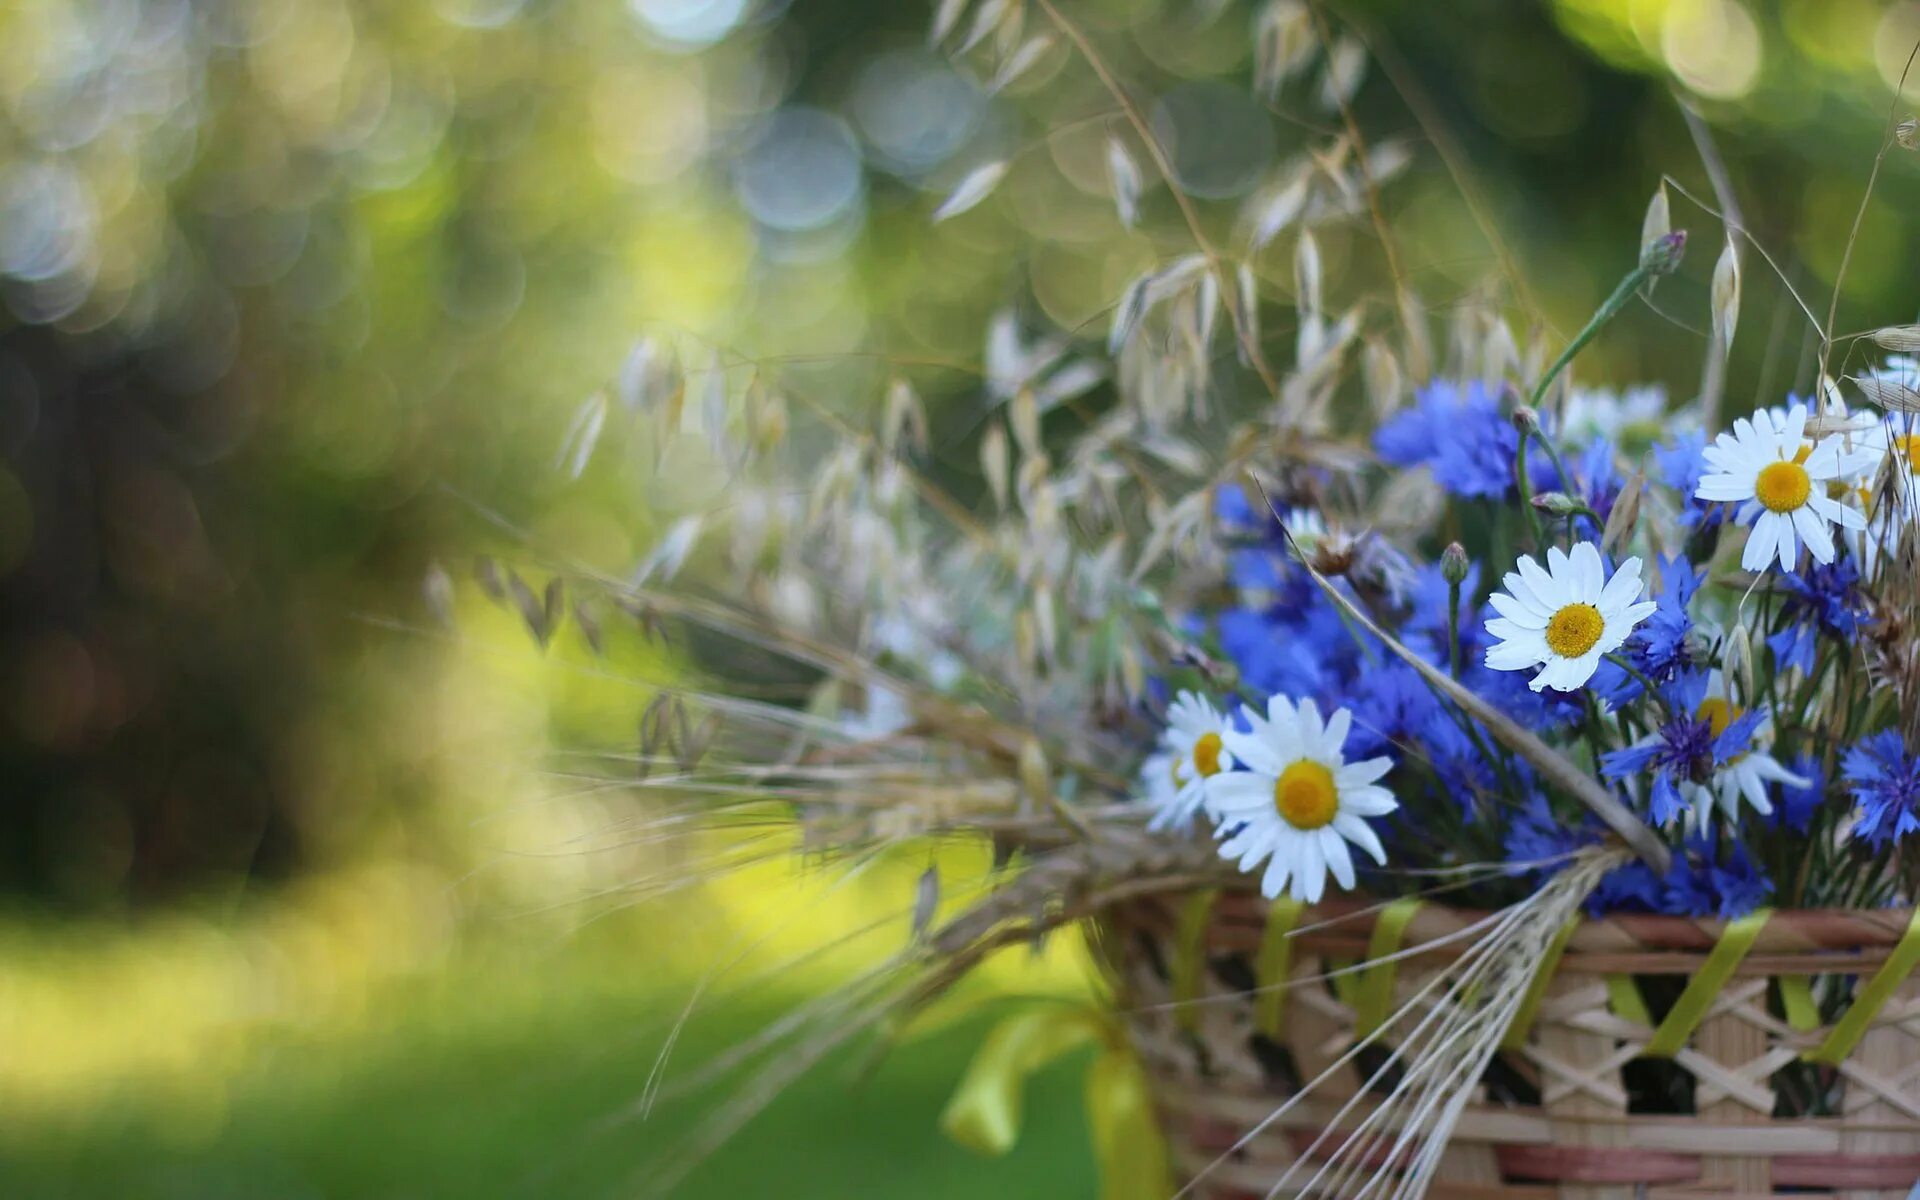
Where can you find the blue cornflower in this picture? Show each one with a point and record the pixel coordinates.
(1597, 481)
(1237, 514)
(1820, 598)
(1701, 884)
(1698, 736)
(1270, 657)
(1458, 431)
(1885, 782)
(1681, 465)
(1462, 766)
(1537, 840)
(1698, 884)
(1658, 647)
(1631, 887)
(1390, 705)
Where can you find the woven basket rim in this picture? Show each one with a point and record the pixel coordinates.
(1815, 940)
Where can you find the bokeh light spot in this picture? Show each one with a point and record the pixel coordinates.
(689, 24)
(1218, 138)
(915, 111)
(802, 171)
(1713, 46)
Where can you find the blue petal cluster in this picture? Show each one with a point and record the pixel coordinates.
(1885, 782)
(1681, 464)
(1658, 648)
(1597, 483)
(1686, 748)
(1459, 431)
(1820, 598)
(1709, 877)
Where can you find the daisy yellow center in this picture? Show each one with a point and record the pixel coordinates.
(1574, 630)
(1305, 795)
(1206, 754)
(1718, 714)
(1783, 486)
(1909, 445)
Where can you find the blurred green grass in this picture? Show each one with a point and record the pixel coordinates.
(473, 1084)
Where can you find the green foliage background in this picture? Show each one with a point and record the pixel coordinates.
(300, 297)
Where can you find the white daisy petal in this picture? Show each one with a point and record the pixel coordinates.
(1310, 873)
(1275, 880)
(1794, 428)
(1234, 793)
(1824, 462)
(1507, 630)
(1522, 591)
(1361, 834)
(1813, 531)
(1517, 654)
(1369, 802)
(1338, 726)
(1360, 774)
(1280, 710)
(1760, 544)
(1838, 513)
(1549, 593)
(1587, 572)
(1724, 487)
(1333, 848)
(1516, 609)
(1312, 729)
(1625, 586)
(1789, 543)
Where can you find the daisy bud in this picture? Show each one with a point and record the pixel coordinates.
(1662, 255)
(1525, 419)
(1454, 564)
(1558, 504)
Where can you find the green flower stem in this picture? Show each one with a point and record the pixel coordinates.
(1606, 312)
(1453, 627)
(1526, 490)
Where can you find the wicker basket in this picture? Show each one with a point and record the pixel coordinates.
(1562, 1119)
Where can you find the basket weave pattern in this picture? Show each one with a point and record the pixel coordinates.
(1214, 1076)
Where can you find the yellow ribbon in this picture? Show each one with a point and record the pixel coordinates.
(1705, 986)
(1373, 997)
(1190, 957)
(1796, 1001)
(984, 1113)
(1275, 964)
(1623, 997)
(1868, 1001)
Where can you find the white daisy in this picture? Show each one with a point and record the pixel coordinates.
(1747, 775)
(1895, 440)
(1299, 802)
(1564, 618)
(1765, 467)
(1638, 414)
(1191, 750)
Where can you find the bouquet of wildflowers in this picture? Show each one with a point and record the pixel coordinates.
(1714, 636)
(1371, 617)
